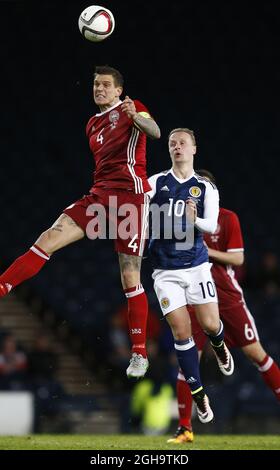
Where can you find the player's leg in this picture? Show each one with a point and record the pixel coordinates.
(188, 359)
(133, 210)
(184, 432)
(137, 305)
(241, 332)
(171, 294)
(203, 296)
(184, 398)
(63, 232)
(267, 367)
(209, 320)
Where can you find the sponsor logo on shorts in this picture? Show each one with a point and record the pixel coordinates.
(195, 191)
(165, 302)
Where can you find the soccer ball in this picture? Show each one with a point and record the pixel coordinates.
(96, 23)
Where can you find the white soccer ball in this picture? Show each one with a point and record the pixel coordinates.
(96, 23)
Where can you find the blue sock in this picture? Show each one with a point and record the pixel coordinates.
(218, 339)
(187, 356)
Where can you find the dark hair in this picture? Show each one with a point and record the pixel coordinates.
(183, 129)
(206, 174)
(107, 70)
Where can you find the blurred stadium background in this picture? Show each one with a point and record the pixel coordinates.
(209, 68)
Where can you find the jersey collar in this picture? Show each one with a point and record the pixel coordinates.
(109, 109)
(179, 179)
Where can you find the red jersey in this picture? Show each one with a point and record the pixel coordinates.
(119, 150)
(228, 237)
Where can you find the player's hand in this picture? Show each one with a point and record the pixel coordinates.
(128, 107)
(210, 250)
(191, 211)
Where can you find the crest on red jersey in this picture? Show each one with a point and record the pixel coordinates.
(114, 116)
(217, 229)
(215, 236)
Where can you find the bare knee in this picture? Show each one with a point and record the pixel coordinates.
(208, 317)
(63, 232)
(180, 333)
(47, 241)
(211, 325)
(180, 327)
(130, 279)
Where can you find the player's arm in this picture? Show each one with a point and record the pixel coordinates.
(234, 253)
(142, 120)
(235, 258)
(211, 210)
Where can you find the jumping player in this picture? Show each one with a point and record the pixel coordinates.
(117, 139)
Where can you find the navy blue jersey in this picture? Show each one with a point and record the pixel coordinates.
(175, 243)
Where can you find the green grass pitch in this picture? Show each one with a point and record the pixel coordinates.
(137, 442)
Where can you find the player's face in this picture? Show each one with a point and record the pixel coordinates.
(105, 93)
(181, 147)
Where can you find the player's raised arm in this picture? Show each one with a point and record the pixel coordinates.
(211, 210)
(142, 119)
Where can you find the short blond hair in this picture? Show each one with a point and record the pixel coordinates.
(183, 129)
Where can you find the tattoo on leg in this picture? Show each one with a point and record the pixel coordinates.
(62, 221)
(71, 222)
(58, 228)
(68, 219)
(129, 262)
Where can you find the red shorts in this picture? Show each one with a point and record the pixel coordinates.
(116, 214)
(240, 328)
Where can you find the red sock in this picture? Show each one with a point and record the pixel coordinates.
(137, 318)
(184, 399)
(271, 375)
(23, 268)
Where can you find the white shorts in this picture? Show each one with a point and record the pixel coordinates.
(178, 287)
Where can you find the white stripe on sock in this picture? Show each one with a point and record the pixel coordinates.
(39, 253)
(139, 290)
(267, 365)
(184, 347)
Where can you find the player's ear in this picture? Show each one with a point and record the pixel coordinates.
(119, 91)
(194, 149)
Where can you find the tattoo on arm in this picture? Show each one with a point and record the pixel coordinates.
(148, 126)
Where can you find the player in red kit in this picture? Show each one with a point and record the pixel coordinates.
(225, 249)
(117, 138)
